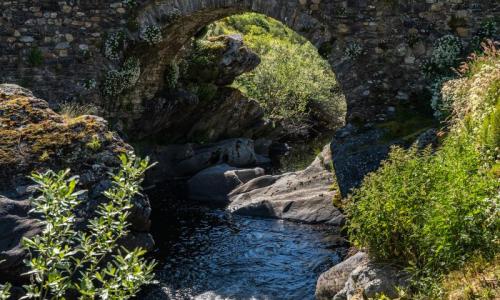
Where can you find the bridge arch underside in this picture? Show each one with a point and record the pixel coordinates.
(358, 73)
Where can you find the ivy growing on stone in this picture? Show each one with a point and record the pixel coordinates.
(129, 3)
(151, 34)
(35, 57)
(113, 45)
(89, 84)
(171, 75)
(117, 81)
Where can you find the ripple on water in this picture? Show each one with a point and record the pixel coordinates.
(246, 258)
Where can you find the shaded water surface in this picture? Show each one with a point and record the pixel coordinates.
(224, 256)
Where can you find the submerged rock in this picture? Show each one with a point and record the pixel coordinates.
(304, 196)
(35, 138)
(358, 277)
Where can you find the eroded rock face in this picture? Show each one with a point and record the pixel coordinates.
(303, 196)
(35, 138)
(199, 106)
(15, 223)
(358, 277)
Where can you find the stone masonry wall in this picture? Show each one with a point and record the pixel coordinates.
(376, 47)
(116, 54)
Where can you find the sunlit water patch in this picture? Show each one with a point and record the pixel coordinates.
(222, 256)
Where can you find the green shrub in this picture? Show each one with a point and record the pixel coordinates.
(429, 211)
(434, 211)
(85, 262)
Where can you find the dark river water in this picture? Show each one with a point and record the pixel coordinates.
(222, 256)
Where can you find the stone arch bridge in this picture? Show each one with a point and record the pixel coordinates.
(375, 47)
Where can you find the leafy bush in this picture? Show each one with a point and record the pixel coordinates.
(293, 83)
(89, 263)
(435, 211)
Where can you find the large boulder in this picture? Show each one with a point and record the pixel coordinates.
(304, 196)
(333, 281)
(358, 277)
(35, 138)
(15, 223)
(214, 184)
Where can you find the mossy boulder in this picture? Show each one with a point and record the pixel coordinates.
(220, 60)
(35, 138)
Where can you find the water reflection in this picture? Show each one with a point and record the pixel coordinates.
(221, 256)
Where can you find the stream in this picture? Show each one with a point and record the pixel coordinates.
(209, 253)
(216, 255)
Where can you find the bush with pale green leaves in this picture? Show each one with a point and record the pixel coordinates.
(85, 263)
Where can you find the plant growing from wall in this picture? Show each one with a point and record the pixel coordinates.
(35, 57)
(89, 84)
(487, 30)
(129, 3)
(117, 81)
(446, 52)
(113, 45)
(171, 75)
(151, 34)
(438, 69)
(353, 51)
(86, 262)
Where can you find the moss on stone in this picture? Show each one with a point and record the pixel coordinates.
(407, 125)
(34, 136)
